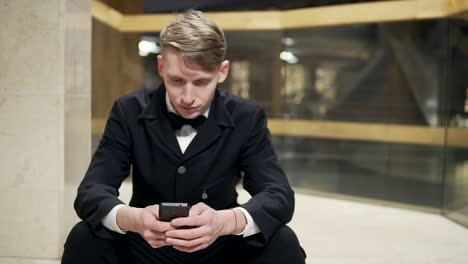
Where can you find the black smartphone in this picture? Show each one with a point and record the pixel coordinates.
(169, 211)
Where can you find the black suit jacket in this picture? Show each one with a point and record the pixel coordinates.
(234, 139)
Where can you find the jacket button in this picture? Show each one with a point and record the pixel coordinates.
(204, 195)
(181, 170)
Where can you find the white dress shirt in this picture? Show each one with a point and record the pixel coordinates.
(184, 135)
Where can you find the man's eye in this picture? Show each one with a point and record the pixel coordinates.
(201, 83)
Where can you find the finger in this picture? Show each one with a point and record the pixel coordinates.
(187, 234)
(157, 243)
(151, 223)
(164, 226)
(197, 216)
(152, 235)
(193, 249)
(188, 244)
(197, 220)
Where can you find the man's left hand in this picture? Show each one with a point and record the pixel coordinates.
(204, 224)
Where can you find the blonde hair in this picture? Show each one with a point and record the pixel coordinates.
(197, 38)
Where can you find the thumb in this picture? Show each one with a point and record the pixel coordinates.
(197, 209)
(154, 210)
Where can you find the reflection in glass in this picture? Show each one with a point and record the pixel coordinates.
(295, 83)
(240, 74)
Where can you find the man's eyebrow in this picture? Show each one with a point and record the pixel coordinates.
(174, 76)
(204, 79)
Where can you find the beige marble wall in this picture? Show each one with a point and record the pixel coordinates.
(44, 121)
(77, 103)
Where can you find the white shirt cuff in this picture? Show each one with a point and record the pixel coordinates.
(250, 228)
(110, 220)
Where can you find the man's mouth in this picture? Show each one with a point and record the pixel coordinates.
(189, 108)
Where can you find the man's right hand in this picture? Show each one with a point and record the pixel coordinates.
(144, 221)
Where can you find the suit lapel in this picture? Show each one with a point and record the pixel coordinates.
(157, 123)
(211, 131)
(208, 134)
(163, 131)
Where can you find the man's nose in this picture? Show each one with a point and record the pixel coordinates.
(188, 95)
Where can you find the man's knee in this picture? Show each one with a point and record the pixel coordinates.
(80, 232)
(284, 245)
(285, 233)
(82, 246)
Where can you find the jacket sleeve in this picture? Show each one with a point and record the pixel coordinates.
(110, 165)
(272, 202)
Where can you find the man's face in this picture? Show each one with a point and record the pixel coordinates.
(190, 89)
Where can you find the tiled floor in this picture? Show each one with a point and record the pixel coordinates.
(336, 231)
(343, 232)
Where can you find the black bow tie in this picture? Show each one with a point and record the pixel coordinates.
(177, 121)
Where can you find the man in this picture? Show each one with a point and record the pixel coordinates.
(189, 142)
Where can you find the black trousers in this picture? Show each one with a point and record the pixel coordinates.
(82, 246)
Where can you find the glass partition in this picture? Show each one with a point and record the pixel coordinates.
(456, 155)
(358, 111)
(372, 76)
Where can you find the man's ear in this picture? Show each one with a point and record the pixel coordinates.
(160, 65)
(223, 71)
